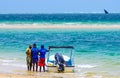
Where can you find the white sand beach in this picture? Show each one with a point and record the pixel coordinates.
(61, 26)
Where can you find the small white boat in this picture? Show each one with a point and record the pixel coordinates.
(67, 53)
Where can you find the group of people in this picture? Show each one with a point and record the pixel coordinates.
(35, 57)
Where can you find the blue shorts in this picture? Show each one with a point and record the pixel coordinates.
(34, 61)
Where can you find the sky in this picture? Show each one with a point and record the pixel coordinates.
(59, 6)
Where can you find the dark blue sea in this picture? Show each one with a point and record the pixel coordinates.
(60, 18)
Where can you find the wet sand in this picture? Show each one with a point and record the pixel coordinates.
(39, 75)
(57, 75)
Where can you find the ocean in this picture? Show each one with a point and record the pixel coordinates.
(65, 18)
(96, 50)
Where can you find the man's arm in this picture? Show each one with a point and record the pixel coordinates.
(48, 49)
(27, 52)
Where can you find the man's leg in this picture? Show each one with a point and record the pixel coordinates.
(33, 66)
(40, 69)
(30, 66)
(27, 64)
(36, 66)
(44, 68)
(27, 67)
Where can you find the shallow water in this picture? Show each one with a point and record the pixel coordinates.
(95, 50)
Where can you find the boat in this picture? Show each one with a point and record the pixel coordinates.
(106, 12)
(67, 53)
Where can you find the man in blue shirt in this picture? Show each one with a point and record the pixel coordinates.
(41, 62)
(34, 56)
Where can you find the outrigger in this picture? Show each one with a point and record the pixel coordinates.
(66, 52)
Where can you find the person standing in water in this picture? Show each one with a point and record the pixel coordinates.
(60, 62)
(41, 61)
(34, 55)
(28, 58)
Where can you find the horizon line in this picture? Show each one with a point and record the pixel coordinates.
(66, 13)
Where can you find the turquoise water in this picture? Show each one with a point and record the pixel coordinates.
(95, 49)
